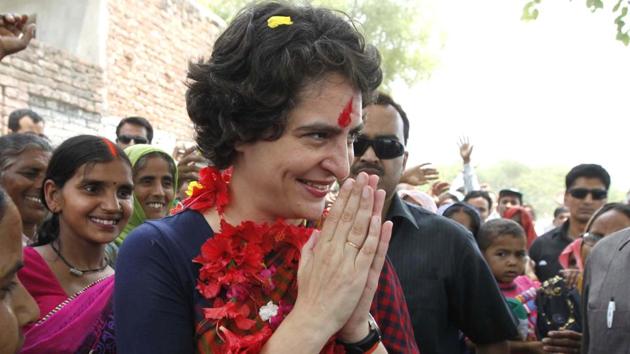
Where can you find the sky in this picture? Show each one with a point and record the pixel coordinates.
(554, 91)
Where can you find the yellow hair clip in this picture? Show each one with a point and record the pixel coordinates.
(275, 21)
(192, 187)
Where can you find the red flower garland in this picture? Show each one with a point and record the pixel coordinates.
(238, 269)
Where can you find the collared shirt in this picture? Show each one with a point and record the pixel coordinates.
(606, 300)
(446, 281)
(546, 249)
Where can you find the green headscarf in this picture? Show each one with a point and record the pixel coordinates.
(135, 153)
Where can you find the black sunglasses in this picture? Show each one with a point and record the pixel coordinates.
(126, 139)
(581, 193)
(384, 148)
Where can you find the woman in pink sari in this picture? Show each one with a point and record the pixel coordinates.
(87, 188)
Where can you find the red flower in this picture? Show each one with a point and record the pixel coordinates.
(252, 343)
(238, 292)
(231, 310)
(234, 274)
(214, 192)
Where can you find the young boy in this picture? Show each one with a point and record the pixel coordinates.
(504, 246)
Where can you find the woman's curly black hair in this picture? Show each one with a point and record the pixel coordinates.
(244, 92)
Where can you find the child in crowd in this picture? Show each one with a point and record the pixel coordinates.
(504, 245)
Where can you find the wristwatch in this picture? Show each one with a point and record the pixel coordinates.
(367, 344)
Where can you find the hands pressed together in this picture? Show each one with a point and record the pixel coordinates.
(341, 264)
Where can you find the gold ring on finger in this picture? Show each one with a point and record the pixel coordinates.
(350, 243)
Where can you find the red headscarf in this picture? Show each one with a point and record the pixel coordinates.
(525, 221)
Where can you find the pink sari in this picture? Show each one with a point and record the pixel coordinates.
(81, 323)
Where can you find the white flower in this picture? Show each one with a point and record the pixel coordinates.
(268, 311)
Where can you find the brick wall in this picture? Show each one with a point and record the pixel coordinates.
(67, 92)
(148, 46)
(148, 49)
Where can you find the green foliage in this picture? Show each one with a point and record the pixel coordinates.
(396, 27)
(531, 12)
(542, 186)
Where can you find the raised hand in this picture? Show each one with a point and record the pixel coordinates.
(188, 165)
(15, 35)
(420, 174)
(465, 148)
(439, 187)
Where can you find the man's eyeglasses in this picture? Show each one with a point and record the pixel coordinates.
(384, 148)
(581, 193)
(126, 139)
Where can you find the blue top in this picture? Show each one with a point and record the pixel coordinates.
(155, 296)
(156, 303)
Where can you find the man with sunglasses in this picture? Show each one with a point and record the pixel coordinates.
(133, 130)
(447, 284)
(586, 191)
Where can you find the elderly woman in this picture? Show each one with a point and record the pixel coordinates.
(17, 307)
(276, 108)
(23, 162)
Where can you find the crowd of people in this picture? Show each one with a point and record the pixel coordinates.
(294, 225)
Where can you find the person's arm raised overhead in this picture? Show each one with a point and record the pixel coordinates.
(15, 34)
(471, 183)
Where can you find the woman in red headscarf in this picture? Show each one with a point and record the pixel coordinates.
(523, 218)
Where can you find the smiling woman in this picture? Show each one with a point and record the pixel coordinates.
(87, 188)
(23, 161)
(154, 178)
(17, 307)
(276, 108)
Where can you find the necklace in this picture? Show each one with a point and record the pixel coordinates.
(74, 270)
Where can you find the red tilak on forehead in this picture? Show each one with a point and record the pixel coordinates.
(111, 147)
(344, 118)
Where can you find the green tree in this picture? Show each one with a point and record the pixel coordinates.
(398, 28)
(531, 12)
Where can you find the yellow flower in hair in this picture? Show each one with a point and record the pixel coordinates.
(275, 21)
(192, 186)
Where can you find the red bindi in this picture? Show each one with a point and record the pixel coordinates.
(344, 118)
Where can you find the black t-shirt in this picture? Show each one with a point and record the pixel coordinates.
(546, 249)
(447, 283)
